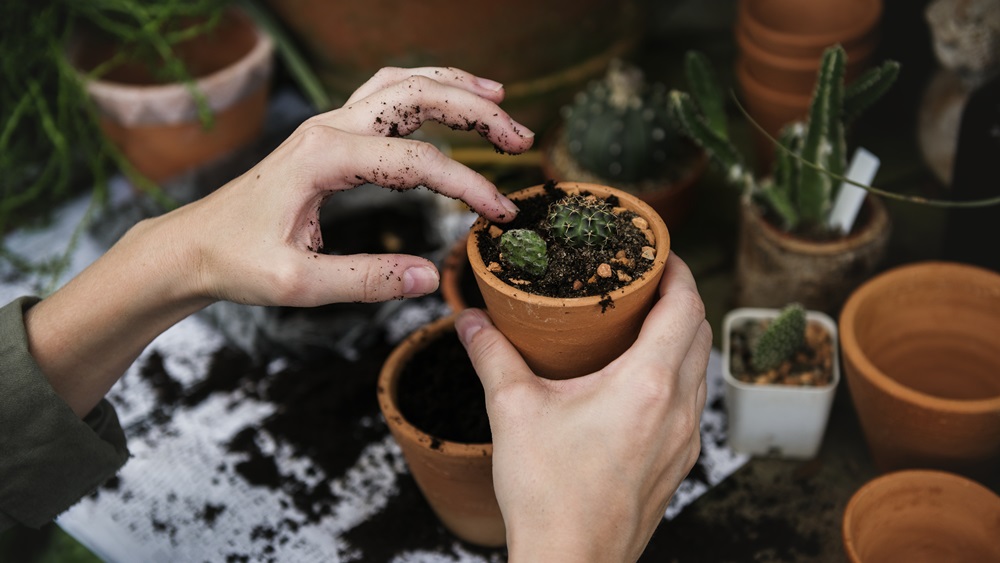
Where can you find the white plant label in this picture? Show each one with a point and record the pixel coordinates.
(862, 170)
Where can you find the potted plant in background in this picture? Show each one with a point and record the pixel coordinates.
(781, 372)
(570, 280)
(435, 407)
(618, 132)
(785, 231)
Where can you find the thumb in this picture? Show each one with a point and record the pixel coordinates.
(493, 356)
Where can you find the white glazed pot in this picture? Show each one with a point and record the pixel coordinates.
(777, 420)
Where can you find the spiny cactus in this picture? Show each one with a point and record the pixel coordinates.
(525, 250)
(782, 338)
(619, 128)
(802, 186)
(581, 221)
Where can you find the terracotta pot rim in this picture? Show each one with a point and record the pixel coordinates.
(738, 313)
(866, 235)
(629, 201)
(776, 97)
(403, 351)
(869, 16)
(921, 476)
(852, 349)
(856, 55)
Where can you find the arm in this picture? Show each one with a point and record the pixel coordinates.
(627, 435)
(256, 239)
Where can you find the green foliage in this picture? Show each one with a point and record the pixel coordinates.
(581, 221)
(619, 128)
(525, 250)
(802, 187)
(783, 336)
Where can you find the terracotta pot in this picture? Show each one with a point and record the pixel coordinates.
(564, 338)
(922, 516)
(525, 45)
(792, 28)
(921, 346)
(455, 478)
(156, 125)
(458, 285)
(672, 200)
(780, 420)
(771, 109)
(820, 275)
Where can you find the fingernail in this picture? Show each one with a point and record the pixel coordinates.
(468, 323)
(509, 205)
(491, 85)
(419, 280)
(521, 130)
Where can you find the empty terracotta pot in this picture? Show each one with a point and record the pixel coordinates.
(455, 478)
(770, 109)
(922, 516)
(793, 28)
(561, 338)
(921, 350)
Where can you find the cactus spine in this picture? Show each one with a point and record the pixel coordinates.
(581, 221)
(525, 250)
(802, 187)
(782, 338)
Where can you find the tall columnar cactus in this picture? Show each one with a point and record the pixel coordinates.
(581, 221)
(802, 187)
(619, 128)
(783, 336)
(525, 250)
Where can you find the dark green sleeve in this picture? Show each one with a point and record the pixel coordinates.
(49, 457)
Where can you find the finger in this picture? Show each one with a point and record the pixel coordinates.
(484, 87)
(493, 356)
(695, 365)
(402, 107)
(332, 159)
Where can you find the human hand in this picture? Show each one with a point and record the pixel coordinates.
(259, 236)
(584, 468)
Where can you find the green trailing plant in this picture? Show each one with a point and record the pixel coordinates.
(581, 221)
(619, 129)
(812, 157)
(525, 250)
(782, 338)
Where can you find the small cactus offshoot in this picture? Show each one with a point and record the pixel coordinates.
(580, 221)
(783, 336)
(525, 250)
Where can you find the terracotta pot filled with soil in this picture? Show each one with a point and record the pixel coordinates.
(780, 409)
(585, 307)
(921, 515)
(921, 346)
(435, 407)
(157, 125)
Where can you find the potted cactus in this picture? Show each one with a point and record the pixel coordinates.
(781, 372)
(785, 231)
(618, 132)
(570, 280)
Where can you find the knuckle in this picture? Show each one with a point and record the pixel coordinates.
(509, 399)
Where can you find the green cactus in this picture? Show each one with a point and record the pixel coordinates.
(781, 339)
(802, 187)
(580, 221)
(525, 250)
(619, 128)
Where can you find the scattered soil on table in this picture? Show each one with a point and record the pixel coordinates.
(572, 272)
(811, 366)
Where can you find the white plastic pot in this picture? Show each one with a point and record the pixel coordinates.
(776, 420)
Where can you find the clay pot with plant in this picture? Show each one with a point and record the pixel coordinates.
(786, 232)
(617, 132)
(781, 371)
(570, 280)
(435, 407)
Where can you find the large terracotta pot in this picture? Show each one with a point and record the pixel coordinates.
(921, 347)
(922, 516)
(156, 125)
(774, 268)
(455, 478)
(525, 45)
(771, 110)
(792, 28)
(561, 338)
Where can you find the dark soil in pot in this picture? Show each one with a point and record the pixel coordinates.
(573, 271)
